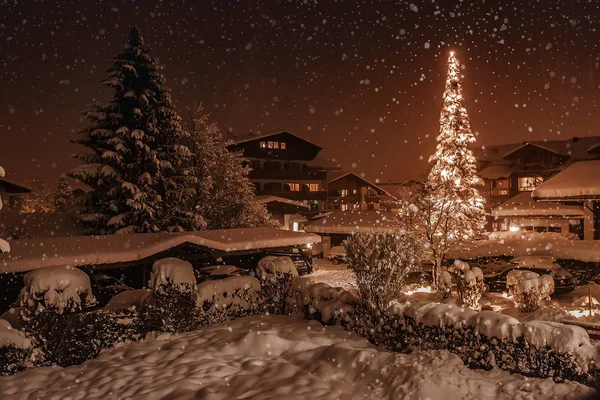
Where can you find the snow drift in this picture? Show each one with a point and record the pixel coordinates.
(275, 357)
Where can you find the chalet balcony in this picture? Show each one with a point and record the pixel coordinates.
(307, 175)
(298, 196)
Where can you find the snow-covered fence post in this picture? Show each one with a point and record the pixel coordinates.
(469, 283)
(528, 289)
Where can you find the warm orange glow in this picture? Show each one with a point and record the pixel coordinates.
(424, 289)
(582, 313)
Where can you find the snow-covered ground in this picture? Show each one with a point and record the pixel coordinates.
(275, 357)
(333, 275)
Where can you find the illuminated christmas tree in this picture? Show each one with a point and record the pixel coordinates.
(448, 208)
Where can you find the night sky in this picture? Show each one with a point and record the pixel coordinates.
(363, 79)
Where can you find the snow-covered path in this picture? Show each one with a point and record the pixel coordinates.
(274, 357)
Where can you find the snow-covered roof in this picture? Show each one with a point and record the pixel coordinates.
(575, 148)
(9, 186)
(496, 172)
(524, 205)
(277, 199)
(251, 136)
(580, 181)
(337, 176)
(32, 254)
(348, 222)
(525, 144)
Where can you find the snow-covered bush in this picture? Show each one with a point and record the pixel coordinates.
(319, 301)
(276, 275)
(445, 283)
(469, 283)
(172, 305)
(16, 349)
(225, 299)
(528, 289)
(57, 289)
(50, 297)
(381, 263)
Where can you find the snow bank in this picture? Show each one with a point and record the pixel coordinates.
(10, 336)
(131, 298)
(276, 357)
(276, 267)
(172, 272)
(58, 288)
(237, 291)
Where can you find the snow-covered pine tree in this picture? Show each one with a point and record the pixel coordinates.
(63, 198)
(448, 209)
(138, 167)
(225, 195)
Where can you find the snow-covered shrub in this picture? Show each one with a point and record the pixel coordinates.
(319, 301)
(276, 275)
(528, 289)
(469, 283)
(224, 299)
(50, 297)
(445, 283)
(172, 305)
(16, 349)
(172, 273)
(381, 263)
(57, 289)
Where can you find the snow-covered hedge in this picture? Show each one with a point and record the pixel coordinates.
(276, 275)
(528, 289)
(172, 304)
(58, 289)
(174, 273)
(16, 349)
(469, 283)
(229, 298)
(319, 301)
(484, 339)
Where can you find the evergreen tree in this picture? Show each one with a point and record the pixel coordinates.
(63, 198)
(225, 195)
(138, 167)
(448, 208)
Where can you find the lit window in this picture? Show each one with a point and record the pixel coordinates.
(282, 145)
(344, 192)
(275, 145)
(270, 144)
(529, 183)
(295, 227)
(263, 145)
(353, 191)
(314, 187)
(294, 187)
